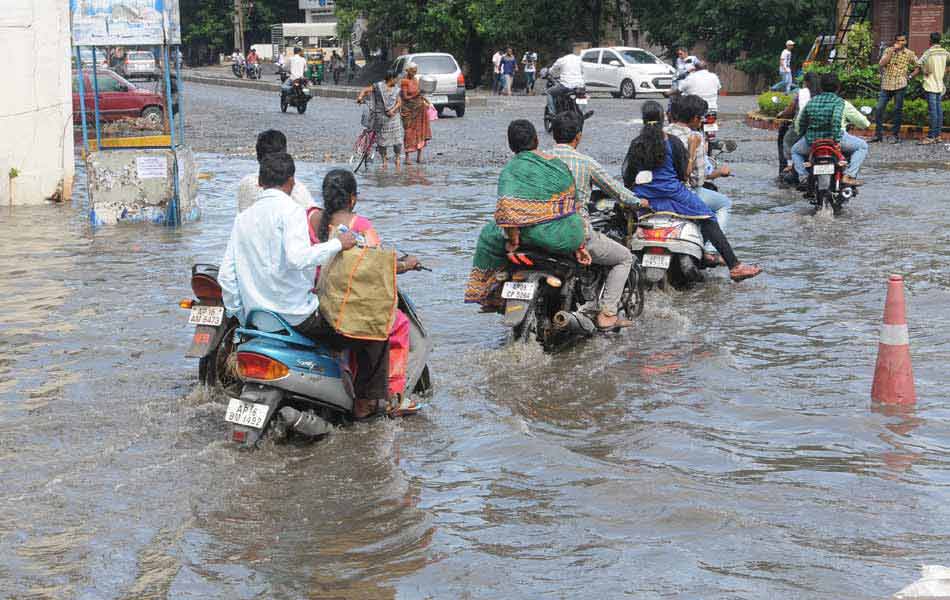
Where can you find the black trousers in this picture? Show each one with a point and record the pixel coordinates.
(713, 234)
(372, 358)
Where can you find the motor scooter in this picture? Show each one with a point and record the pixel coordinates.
(576, 100)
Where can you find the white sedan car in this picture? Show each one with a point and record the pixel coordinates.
(625, 72)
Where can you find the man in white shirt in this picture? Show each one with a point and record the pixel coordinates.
(569, 70)
(703, 83)
(785, 68)
(270, 264)
(298, 65)
(496, 72)
(270, 142)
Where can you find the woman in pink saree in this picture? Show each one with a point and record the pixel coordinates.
(338, 210)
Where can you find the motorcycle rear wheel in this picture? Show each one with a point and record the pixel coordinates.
(302, 108)
(217, 369)
(283, 104)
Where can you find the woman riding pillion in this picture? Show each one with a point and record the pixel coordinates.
(666, 158)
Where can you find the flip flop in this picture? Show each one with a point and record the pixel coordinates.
(403, 407)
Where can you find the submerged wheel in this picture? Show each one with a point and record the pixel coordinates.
(218, 368)
(632, 299)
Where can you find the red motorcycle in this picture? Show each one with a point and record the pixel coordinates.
(826, 165)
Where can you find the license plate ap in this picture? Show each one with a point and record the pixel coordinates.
(826, 169)
(658, 261)
(518, 290)
(248, 414)
(206, 315)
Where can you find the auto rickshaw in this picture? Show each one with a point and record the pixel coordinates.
(315, 67)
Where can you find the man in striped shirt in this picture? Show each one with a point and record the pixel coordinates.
(598, 248)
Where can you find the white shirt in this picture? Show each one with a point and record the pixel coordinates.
(530, 61)
(785, 61)
(804, 97)
(569, 70)
(496, 61)
(237, 57)
(298, 65)
(705, 84)
(269, 263)
(249, 191)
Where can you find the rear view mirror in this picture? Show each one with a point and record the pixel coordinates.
(615, 63)
(644, 177)
(866, 110)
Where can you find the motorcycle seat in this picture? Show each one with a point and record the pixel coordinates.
(539, 259)
(267, 324)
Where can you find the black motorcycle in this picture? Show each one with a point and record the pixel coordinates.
(298, 96)
(576, 100)
(238, 69)
(552, 299)
(253, 70)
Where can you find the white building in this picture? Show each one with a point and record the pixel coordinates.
(36, 112)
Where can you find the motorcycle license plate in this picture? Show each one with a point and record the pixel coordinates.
(581, 101)
(438, 99)
(708, 127)
(826, 169)
(518, 290)
(248, 414)
(206, 315)
(657, 261)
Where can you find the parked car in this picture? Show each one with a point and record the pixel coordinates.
(450, 83)
(118, 99)
(139, 63)
(625, 72)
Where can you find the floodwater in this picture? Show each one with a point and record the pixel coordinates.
(724, 448)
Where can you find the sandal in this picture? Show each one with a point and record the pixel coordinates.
(402, 406)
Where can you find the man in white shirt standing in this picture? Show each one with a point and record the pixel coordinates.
(569, 70)
(785, 68)
(270, 142)
(703, 83)
(270, 264)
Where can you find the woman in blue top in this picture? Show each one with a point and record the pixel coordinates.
(508, 67)
(666, 158)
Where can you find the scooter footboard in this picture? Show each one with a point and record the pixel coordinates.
(247, 409)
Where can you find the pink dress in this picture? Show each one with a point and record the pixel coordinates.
(399, 335)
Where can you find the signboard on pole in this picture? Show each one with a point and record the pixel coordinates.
(316, 5)
(125, 22)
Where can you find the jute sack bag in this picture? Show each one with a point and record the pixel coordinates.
(357, 293)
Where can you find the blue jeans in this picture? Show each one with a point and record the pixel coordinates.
(720, 204)
(882, 100)
(786, 82)
(529, 81)
(936, 114)
(855, 148)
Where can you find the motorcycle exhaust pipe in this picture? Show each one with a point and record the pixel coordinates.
(306, 423)
(574, 322)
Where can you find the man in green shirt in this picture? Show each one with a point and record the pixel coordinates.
(933, 63)
(823, 118)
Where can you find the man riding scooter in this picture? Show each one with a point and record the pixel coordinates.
(269, 264)
(825, 117)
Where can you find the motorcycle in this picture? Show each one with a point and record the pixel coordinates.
(298, 96)
(669, 248)
(282, 73)
(575, 100)
(238, 69)
(253, 70)
(278, 381)
(825, 189)
(553, 299)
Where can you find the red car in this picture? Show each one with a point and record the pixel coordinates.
(118, 99)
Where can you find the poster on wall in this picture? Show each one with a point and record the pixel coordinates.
(125, 22)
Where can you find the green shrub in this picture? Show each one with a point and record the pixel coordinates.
(770, 107)
(915, 111)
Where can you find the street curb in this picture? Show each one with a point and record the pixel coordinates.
(911, 132)
(345, 93)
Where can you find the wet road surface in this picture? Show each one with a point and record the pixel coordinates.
(723, 448)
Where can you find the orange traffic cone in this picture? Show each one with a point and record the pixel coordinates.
(893, 375)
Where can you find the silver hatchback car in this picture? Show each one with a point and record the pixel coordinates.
(139, 63)
(450, 83)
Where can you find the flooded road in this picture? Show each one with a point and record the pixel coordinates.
(724, 448)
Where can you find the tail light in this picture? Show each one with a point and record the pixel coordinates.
(709, 119)
(205, 287)
(656, 250)
(460, 80)
(258, 366)
(658, 234)
(186, 303)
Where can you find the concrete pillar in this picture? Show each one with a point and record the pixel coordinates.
(36, 131)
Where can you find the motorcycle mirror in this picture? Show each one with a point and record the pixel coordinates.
(644, 177)
(731, 146)
(866, 110)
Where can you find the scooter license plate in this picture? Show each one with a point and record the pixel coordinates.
(581, 101)
(518, 290)
(710, 127)
(826, 169)
(657, 261)
(206, 315)
(248, 414)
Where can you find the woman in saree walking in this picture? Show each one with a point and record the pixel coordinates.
(415, 120)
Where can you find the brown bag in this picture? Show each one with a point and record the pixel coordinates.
(357, 293)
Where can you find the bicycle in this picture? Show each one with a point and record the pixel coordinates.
(364, 149)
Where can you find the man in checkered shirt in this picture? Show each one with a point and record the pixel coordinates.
(896, 62)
